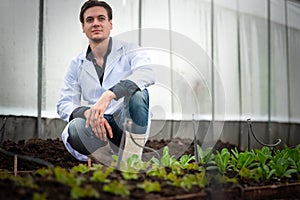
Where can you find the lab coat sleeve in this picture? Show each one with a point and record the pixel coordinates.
(70, 96)
(142, 70)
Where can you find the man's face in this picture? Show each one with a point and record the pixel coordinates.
(96, 24)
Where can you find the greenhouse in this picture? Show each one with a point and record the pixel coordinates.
(223, 120)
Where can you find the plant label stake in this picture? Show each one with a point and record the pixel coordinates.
(15, 165)
(89, 163)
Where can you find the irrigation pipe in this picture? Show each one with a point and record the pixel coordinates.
(28, 158)
(250, 130)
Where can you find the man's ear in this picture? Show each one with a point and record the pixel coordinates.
(82, 27)
(111, 24)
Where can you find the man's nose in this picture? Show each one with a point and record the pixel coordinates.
(96, 22)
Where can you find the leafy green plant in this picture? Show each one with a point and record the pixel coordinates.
(188, 180)
(65, 177)
(157, 171)
(167, 160)
(241, 160)
(84, 192)
(185, 160)
(202, 179)
(243, 163)
(222, 160)
(280, 162)
(100, 175)
(81, 168)
(43, 172)
(26, 181)
(117, 188)
(130, 175)
(206, 157)
(263, 171)
(294, 159)
(150, 186)
(173, 179)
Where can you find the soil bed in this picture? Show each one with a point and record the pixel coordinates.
(53, 151)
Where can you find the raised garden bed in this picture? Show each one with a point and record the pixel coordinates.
(216, 174)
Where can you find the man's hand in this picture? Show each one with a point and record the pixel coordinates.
(95, 116)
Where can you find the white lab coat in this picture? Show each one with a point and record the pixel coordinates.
(82, 86)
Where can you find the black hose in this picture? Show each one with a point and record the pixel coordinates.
(28, 158)
(278, 141)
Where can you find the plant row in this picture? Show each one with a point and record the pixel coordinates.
(186, 173)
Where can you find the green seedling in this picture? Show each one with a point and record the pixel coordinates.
(101, 175)
(117, 188)
(167, 160)
(222, 160)
(81, 168)
(206, 158)
(149, 186)
(84, 192)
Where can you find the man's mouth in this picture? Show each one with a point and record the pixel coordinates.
(96, 31)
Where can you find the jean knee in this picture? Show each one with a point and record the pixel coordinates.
(139, 110)
(140, 98)
(74, 127)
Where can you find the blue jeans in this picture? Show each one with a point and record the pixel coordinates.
(135, 108)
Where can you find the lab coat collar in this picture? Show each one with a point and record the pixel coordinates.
(115, 54)
(116, 48)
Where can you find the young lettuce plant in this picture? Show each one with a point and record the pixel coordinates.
(117, 188)
(263, 171)
(294, 159)
(167, 160)
(133, 166)
(81, 168)
(150, 186)
(101, 175)
(280, 162)
(206, 158)
(222, 160)
(185, 160)
(86, 191)
(243, 163)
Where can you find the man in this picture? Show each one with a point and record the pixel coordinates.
(112, 76)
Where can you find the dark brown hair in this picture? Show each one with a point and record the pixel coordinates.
(92, 3)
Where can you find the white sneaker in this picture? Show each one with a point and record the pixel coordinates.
(131, 148)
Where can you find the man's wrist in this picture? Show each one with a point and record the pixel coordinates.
(85, 113)
(110, 94)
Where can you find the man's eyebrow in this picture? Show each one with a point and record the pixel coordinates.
(101, 16)
(97, 16)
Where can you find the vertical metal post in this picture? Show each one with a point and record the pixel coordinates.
(171, 63)
(269, 71)
(40, 67)
(212, 69)
(140, 22)
(239, 69)
(287, 67)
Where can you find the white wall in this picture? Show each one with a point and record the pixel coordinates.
(188, 65)
(18, 57)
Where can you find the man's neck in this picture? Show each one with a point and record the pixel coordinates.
(99, 49)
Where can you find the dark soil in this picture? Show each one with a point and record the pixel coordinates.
(52, 151)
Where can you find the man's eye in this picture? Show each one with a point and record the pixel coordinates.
(101, 18)
(89, 20)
